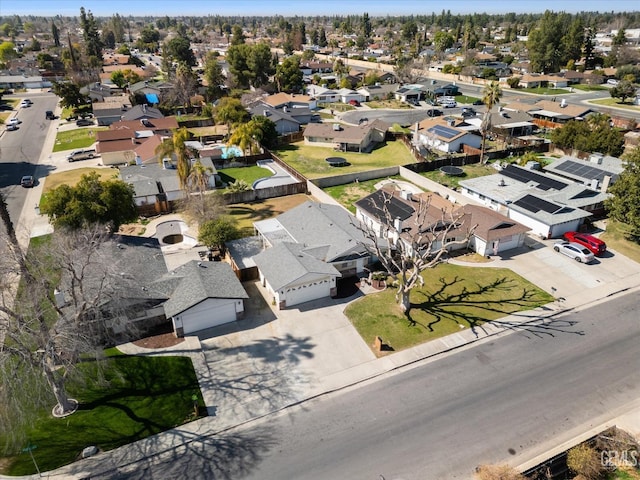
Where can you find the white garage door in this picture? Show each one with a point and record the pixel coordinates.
(192, 322)
(308, 293)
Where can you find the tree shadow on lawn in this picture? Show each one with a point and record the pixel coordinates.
(468, 306)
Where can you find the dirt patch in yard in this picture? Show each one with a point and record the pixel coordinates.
(132, 229)
(159, 341)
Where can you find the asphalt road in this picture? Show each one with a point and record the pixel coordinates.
(21, 149)
(506, 400)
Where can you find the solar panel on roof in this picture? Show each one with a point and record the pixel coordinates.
(525, 176)
(443, 131)
(581, 170)
(535, 204)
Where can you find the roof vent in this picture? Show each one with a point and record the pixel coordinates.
(563, 103)
(336, 127)
(502, 183)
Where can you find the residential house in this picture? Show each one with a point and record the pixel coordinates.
(283, 118)
(151, 90)
(110, 109)
(316, 244)
(204, 295)
(377, 92)
(493, 232)
(535, 81)
(290, 100)
(550, 206)
(129, 141)
(442, 134)
(598, 171)
(154, 186)
(512, 123)
(409, 93)
(549, 113)
(139, 112)
(346, 138)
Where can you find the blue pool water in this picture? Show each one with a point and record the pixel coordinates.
(230, 152)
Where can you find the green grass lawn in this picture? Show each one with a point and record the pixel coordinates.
(466, 100)
(350, 193)
(615, 239)
(588, 88)
(453, 296)
(247, 213)
(614, 102)
(396, 104)
(545, 90)
(145, 396)
(248, 174)
(470, 171)
(310, 160)
(76, 138)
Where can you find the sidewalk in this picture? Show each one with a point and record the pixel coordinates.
(108, 463)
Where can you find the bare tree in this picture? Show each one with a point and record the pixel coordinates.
(44, 335)
(498, 472)
(407, 250)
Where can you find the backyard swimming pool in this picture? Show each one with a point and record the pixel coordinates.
(229, 152)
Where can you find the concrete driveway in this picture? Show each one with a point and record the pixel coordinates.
(273, 358)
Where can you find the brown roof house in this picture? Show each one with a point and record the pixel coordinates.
(346, 138)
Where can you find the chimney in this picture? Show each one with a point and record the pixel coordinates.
(397, 224)
(405, 195)
(605, 183)
(596, 158)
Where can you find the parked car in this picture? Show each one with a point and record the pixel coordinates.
(14, 121)
(468, 113)
(49, 115)
(81, 155)
(25, 104)
(71, 118)
(27, 181)
(477, 102)
(84, 122)
(11, 127)
(594, 244)
(434, 112)
(354, 103)
(574, 250)
(5, 107)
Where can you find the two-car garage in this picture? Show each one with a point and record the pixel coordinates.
(209, 313)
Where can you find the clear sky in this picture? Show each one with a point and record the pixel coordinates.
(302, 7)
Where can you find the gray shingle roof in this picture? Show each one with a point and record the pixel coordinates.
(202, 280)
(319, 224)
(286, 262)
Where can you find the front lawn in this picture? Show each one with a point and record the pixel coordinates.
(588, 88)
(76, 138)
(545, 90)
(395, 104)
(466, 100)
(615, 240)
(310, 161)
(470, 171)
(615, 102)
(247, 213)
(248, 174)
(453, 297)
(144, 396)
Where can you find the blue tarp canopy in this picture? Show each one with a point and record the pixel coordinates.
(152, 98)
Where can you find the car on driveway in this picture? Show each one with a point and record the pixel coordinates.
(576, 251)
(84, 122)
(354, 103)
(27, 181)
(594, 244)
(81, 155)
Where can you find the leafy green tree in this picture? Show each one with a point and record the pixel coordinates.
(620, 38)
(215, 233)
(268, 135)
(623, 90)
(585, 461)
(545, 43)
(178, 49)
(69, 94)
(91, 35)
(7, 51)
(593, 135)
(247, 137)
(624, 203)
(442, 40)
(238, 60)
(322, 39)
(91, 201)
(237, 35)
(123, 77)
(230, 112)
(260, 64)
(175, 147)
(149, 39)
(288, 76)
(213, 76)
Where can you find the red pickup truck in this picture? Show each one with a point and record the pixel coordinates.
(597, 246)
